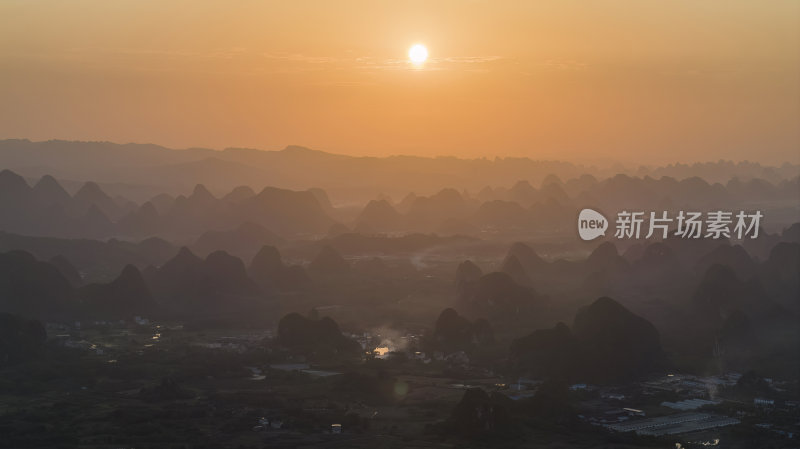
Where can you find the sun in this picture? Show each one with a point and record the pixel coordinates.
(417, 54)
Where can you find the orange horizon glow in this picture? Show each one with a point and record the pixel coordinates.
(625, 80)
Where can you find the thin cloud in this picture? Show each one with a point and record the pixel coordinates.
(564, 64)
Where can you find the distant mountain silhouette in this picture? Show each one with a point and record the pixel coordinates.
(379, 216)
(513, 267)
(48, 210)
(606, 258)
(240, 194)
(99, 261)
(429, 213)
(501, 215)
(328, 263)
(497, 295)
(466, 274)
(92, 195)
(352, 243)
(523, 193)
(242, 241)
(299, 168)
(144, 222)
(734, 256)
(720, 292)
(527, 258)
(49, 193)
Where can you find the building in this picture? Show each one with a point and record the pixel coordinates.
(674, 424)
(761, 402)
(633, 411)
(688, 404)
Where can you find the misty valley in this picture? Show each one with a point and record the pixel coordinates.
(147, 301)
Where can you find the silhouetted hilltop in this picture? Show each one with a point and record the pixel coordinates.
(429, 213)
(124, 297)
(269, 272)
(733, 256)
(48, 210)
(287, 212)
(49, 193)
(266, 265)
(606, 258)
(250, 215)
(99, 261)
(617, 343)
(144, 221)
(781, 274)
(405, 204)
(20, 339)
(466, 273)
(527, 257)
(496, 295)
(453, 333)
(379, 216)
(310, 336)
(522, 192)
(328, 263)
(92, 213)
(737, 331)
(720, 292)
(65, 267)
(239, 194)
(479, 414)
(33, 288)
(513, 267)
(792, 233)
(547, 353)
(91, 195)
(607, 344)
(217, 285)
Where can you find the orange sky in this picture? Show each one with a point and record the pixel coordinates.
(632, 80)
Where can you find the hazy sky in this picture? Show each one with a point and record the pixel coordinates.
(633, 80)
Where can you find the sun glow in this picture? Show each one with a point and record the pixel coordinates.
(418, 54)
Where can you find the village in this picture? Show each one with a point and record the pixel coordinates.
(679, 408)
